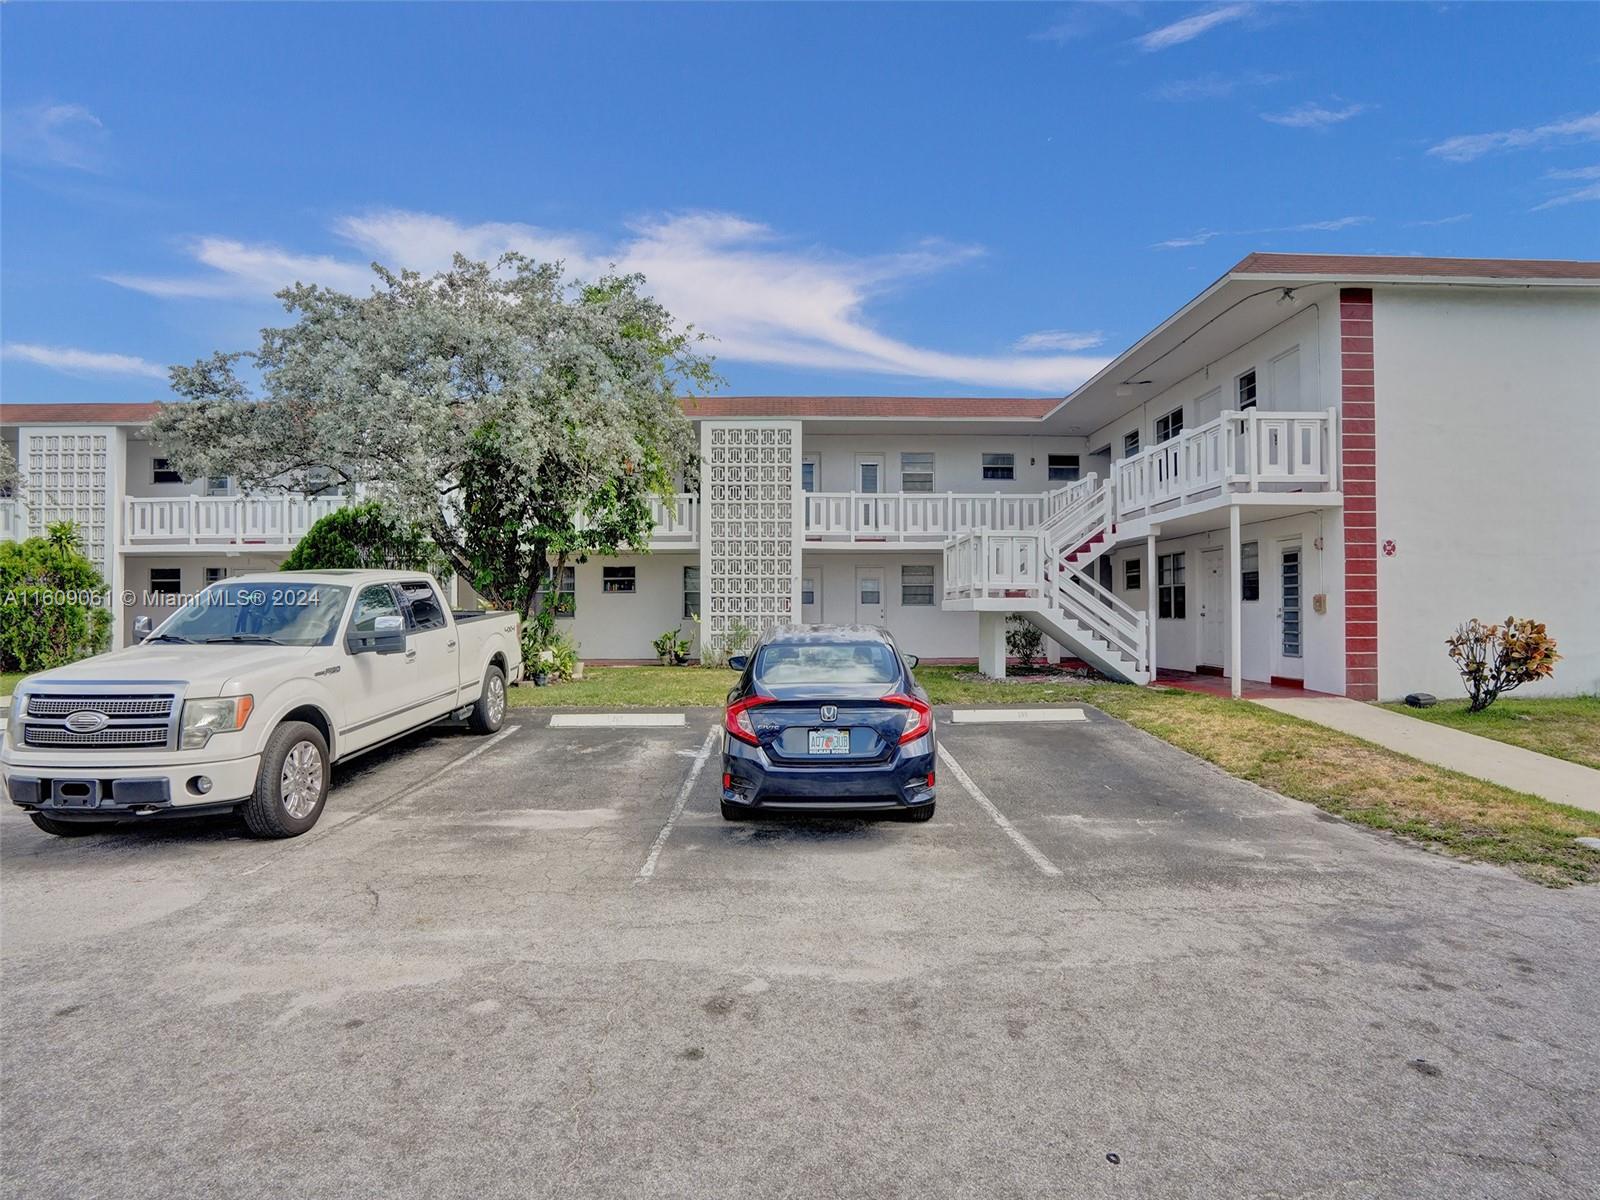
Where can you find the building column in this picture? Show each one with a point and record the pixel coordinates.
(1150, 585)
(992, 644)
(1358, 480)
(1235, 607)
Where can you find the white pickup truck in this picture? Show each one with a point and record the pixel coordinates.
(245, 697)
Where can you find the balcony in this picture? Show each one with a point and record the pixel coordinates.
(677, 522)
(259, 522)
(926, 519)
(13, 520)
(1239, 452)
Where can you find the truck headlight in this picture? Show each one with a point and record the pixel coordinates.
(202, 718)
(19, 709)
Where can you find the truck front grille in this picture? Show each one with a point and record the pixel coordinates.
(133, 720)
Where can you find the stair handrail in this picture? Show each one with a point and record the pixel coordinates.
(1120, 625)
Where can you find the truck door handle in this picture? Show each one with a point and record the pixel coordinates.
(410, 654)
(450, 645)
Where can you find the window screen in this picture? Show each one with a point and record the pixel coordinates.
(916, 586)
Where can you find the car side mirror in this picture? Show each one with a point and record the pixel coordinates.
(911, 661)
(738, 662)
(387, 636)
(143, 627)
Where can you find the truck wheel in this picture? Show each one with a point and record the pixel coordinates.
(489, 713)
(292, 784)
(69, 828)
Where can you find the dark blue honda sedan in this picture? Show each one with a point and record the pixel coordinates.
(827, 719)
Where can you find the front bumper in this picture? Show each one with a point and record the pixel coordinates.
(754, 780)
(96, 791)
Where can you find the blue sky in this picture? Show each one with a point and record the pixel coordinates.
(937, 200)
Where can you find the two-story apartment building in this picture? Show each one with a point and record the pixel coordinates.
(1309, 473)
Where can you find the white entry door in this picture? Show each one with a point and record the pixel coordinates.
(869, 482)
(1213, 604)
(811, 598)
(1288, 655)
(872, 607)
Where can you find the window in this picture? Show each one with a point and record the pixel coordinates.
(374, 602)
(616, 579)
(808, 473)
(1064, 467)
(916, 586)
(1169, 426)
(566, 593)
(215, 575)
(426, 611)
(1249, 571)
(808, 592)
(916, 472)
(1247, 390)
(1170, 588)
(166, 581)
(161, 472)
(217, 485)
(691, 593)
(1130, 443)
(999, 466)
(1132, 575)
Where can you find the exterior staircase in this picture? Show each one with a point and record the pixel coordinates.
(1043, 576)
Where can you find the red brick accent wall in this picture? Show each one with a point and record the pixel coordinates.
(1358, 469)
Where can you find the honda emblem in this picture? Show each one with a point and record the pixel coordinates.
(830, 712)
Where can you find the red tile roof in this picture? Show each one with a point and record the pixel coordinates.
(78, 414)
(991, 407)
(1361, 266)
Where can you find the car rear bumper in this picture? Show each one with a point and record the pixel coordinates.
(753, 780)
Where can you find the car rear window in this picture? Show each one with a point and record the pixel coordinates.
(784, 665)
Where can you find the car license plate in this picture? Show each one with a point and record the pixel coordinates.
(830, 741)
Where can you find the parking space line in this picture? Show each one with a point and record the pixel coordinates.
(1014, 716)
(316, 835)
(1011, 831)
(621, 720)
(649, 868)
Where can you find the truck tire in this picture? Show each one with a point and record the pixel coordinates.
(292, 784)
(489, 713)
(69, 828)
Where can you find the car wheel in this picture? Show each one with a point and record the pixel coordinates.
(69, 828)
(489, 713)
(292, 784)
(923, 812)
(734, 812)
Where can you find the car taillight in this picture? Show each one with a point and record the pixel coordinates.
(737, 719)
(918, 721)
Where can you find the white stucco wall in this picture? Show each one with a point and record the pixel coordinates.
(927, 632)
(1312, 329)
(1488, 424)
(622, 625)
(957, 460)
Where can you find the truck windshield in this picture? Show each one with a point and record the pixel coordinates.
(292, 614)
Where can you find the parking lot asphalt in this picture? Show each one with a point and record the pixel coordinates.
(542, 965)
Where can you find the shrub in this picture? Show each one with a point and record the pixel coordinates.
(52, 603)
(1498, 658)
(554, 653)
(366, 537)
(1024, 643)
(738, 640)
(672, 644)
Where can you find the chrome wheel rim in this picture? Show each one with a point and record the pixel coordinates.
(497, 699)
(301, 782)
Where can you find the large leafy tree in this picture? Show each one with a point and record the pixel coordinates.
(522, 419)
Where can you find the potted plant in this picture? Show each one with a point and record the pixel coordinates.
(665, 646)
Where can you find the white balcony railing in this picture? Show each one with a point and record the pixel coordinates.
(929, 518)
(677, 521)
(979, 564)
(13, 520)
(275, 522)
(1247, 451)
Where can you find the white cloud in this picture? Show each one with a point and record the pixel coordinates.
(1190, 28)
(1059, 339)
(1456, 219)
(72, 361)
(1466, 147)
(1213, 87)
(1575, 173)
(1314, 116)
(56, 135)
(764, 298)
(1591, 192)
(1206, 235)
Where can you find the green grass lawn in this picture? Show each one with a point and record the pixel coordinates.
(9, 681)
(1363, 783)
(1563, 728)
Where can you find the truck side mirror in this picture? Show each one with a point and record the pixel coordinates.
(387, 636)
(143, 627)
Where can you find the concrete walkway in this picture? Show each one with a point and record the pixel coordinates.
(1510, 766)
